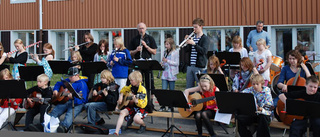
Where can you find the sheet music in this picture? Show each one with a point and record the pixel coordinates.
(223, 117)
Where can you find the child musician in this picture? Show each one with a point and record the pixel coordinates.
(139, 100)
(76, 59)
(264, 103)
(246, 68)
(263, 54)
(4, 105)
(49, 51)
(207, 88)
(213, 66)
(42, 90)
(20, 58)
(299, 127)
(120, 60)
(3, 55)
(109, 100)
(80, 86)
(101, 56)
(170, 63)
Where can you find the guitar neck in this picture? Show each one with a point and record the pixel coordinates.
(198, 101)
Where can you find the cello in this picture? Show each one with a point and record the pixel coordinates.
(285, 118)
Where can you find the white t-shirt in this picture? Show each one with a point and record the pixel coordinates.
(264, 55)
(243, 52)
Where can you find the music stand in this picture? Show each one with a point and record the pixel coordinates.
(59, 67)
(92, 68)
(236, 103)
(13, 89)
(4, 66)
(217, 78)
(232, 59)
(303, 108)
(171, 98)
(147, 66)
(30, 73)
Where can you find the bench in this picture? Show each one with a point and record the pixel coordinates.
(19, 114)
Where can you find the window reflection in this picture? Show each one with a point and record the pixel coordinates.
(230, 33)
(215, 40)
(156, 35)
(305, 39)
(283, 42)
(60, 45)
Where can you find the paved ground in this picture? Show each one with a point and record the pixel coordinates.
(184, 125)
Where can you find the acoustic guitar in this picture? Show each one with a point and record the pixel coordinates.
(196, 101)
(36, 100)
(126, 101)
(99, 96)
(61, 97)
(285, 118)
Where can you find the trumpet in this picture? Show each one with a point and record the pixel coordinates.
(74, 46)
(183, 43)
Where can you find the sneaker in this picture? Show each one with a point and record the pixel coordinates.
(142, 129)
(100, 122)
(162, 109)
(61, 129)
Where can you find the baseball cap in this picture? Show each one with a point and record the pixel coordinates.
(72, 71)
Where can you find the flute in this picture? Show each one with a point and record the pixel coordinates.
(74, 46)
(38, 54)
(36, 43)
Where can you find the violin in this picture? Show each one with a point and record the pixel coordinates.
(223, 63)
(247, 83)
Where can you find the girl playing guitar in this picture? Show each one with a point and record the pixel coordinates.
(207, 88)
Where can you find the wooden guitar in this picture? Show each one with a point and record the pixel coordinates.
(127, 101)
(99, 96)
(36, 100)
(61, 97)
(196, 101)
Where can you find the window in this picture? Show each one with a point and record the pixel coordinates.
(230, 33)
(283, 41)
(156, 35)
(63, 41)
(215, 40)
(21, 1)
(305, 39)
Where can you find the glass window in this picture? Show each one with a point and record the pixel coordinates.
(71, 40)
(215, 40)
(31, 41)
(22, 36)
(156, 35)
(305, 39)
(283, 41)
(170, 33)
(21, 1)
(60, 46)
(230, 33)
(103, 35)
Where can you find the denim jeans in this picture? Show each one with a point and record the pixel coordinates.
(59, 109)
(92, 109)
(192, 76)
(166, 83)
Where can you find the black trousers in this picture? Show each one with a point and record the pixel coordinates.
(299, 127)
(262, 129)
(34, 111)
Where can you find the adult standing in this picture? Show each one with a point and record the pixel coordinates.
(143, 46)
(198, 48)
(87, 52)
(257, 34)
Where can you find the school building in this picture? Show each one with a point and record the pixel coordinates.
(64, 22)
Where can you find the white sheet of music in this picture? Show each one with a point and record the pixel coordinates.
(223, 117)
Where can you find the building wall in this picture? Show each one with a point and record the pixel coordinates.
(85, 14)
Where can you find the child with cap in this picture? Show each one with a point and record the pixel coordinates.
(80, 86)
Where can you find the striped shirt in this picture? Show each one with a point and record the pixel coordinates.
(193, 56)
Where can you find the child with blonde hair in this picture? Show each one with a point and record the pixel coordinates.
(120, 59)
(262, 95)
(263, 54)
(136, 111)
(213, 66)
(109, 97)
(76, 59)
(4, 108)
(237, 47)
(2, 54)
(49, 51)
(19, 59)
(207, 88)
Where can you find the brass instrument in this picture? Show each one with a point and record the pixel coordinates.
(183, 43)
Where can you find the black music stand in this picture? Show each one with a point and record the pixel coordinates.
(218, 79)
(236, 103)
(303, 108)
(30, 73)
(92, 68)
(147, 66)
(74, 95)
(59, 67)
(4, 66)
(171, 98)
(232, 59)
(13, 89)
